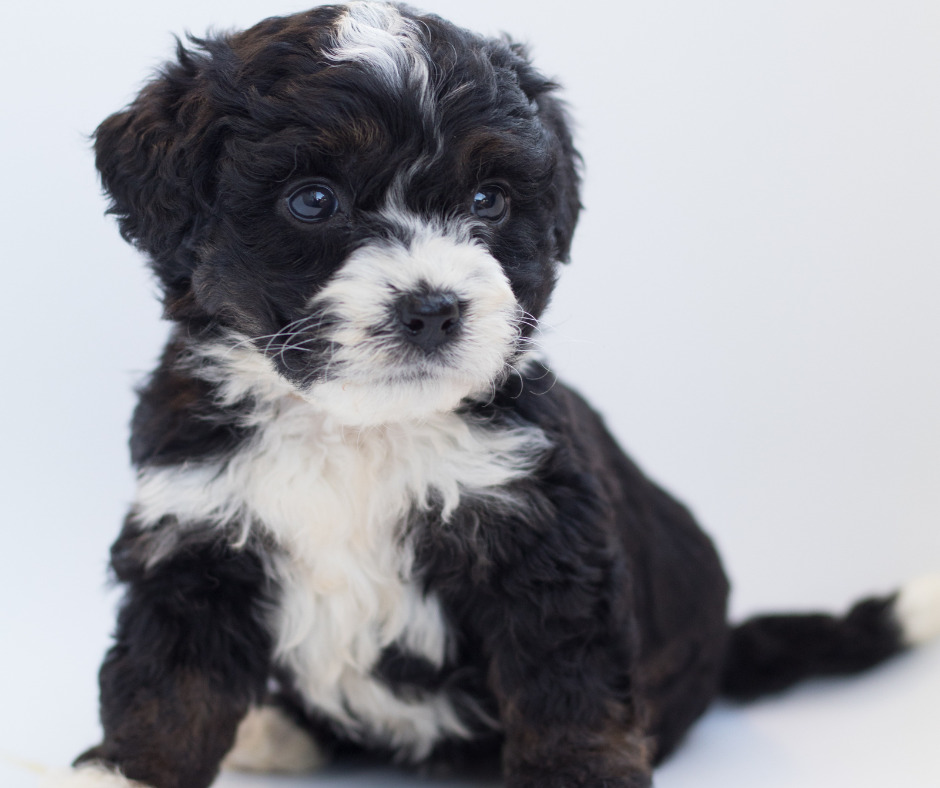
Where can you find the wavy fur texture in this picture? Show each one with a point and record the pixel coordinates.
(365, 515)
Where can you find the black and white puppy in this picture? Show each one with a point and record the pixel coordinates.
(366, 516)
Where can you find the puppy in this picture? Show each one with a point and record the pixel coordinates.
(366, 516)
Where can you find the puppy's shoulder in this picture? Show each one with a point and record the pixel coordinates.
(537, 397)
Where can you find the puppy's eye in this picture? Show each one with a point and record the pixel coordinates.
(312, 203)
(490, 203)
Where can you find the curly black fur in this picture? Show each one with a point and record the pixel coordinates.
(583, 608)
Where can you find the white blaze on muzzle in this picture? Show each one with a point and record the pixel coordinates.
(375, 373)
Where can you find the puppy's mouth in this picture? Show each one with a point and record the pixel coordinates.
(401, 332)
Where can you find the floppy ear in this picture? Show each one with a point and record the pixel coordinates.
(566, 183)
(155, 160)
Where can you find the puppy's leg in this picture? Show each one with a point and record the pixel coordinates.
(191, 654)
(568, 722)
(555, 626)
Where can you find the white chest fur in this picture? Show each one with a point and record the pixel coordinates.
(335, 500)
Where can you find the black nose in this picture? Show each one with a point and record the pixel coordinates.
(430, 319)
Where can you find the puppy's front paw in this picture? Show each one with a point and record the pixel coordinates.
(269, 741)
(89, 775)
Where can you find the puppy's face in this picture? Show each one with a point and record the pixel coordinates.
(374, 200)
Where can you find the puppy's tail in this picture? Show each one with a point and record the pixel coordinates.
(769, 653)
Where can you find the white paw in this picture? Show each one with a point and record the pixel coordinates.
(91, 775)
(918, 610)
(269, 741)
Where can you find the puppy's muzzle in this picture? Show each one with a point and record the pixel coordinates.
(429, 320)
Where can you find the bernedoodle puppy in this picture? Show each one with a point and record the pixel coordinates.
(367, 517)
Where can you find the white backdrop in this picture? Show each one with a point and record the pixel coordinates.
(752, 304)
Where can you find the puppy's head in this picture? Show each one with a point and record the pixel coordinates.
(373, 200)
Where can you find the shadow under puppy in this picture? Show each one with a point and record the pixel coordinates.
(366, 515)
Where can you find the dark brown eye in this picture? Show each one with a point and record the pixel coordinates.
(490, 203)
(312, 203)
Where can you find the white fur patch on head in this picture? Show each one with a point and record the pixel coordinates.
(378, 35)
(374, 376)
(918, 610)
(269, 741)
(90, 775)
